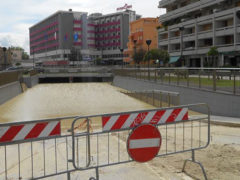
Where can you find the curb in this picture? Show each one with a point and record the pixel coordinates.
(225, 123)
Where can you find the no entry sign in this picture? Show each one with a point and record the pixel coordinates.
(143, 143)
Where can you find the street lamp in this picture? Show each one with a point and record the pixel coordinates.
(148, 42)
(4, 56)
(33, 58)
(121, 50)
(135, 42)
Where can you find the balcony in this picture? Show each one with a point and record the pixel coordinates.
(188, 9)
(225, 47)
(175, 40)
(175, 47)
(164, 47)
(225, 31)
(164, 3)
(189, 51)
(163, 43)
(188, 37)
(163, 37)
(205, 34)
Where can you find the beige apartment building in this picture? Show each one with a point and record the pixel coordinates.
(191, 27)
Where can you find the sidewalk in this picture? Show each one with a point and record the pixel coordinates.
(225, 121)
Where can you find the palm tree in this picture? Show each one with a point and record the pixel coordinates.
(213, 52)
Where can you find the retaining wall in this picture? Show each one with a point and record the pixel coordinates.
(31, 81)
(9, 91)
(219, 103)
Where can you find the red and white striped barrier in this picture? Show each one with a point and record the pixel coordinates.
(123, 121)
(29, 131)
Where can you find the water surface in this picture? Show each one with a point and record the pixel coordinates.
(59, 100)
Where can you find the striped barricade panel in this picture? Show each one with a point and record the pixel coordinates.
(116, 122)
(29, 131)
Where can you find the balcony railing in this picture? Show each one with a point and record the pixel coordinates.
(174, 50)
(189, 35)
(204, 47)
(225, 45)
(224, 28)
(189, 8)
(205, 31)
(163, 3)
(175, 37)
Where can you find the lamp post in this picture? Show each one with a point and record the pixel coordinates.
(148, 42)
(121, 50)
(5, 58)
(135, 42)
(33, 58)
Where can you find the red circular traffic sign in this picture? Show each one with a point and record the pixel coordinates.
(143, 143)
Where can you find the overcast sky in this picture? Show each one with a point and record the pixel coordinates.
(16, 16)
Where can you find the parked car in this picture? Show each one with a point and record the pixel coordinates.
(14, 68)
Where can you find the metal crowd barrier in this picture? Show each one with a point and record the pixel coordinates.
(35, 149)
(45, 148)
(156, 98)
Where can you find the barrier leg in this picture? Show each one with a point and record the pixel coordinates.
(97, 175)
(68, 176)
(196, 162)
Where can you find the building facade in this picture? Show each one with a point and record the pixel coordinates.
(16, 54)
(141, 30)
(5, 58)
(54, 39)
(192, 27)
(111, 34)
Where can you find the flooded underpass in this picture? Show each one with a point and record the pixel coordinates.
(82, 99)
(61, 100)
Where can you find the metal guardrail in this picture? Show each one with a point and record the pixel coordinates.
(94, 143)
(224, 80)
(156, 98)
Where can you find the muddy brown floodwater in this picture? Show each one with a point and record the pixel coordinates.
(221, 159)
(59, 100)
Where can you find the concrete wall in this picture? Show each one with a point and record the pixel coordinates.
(31, 81)
(220, 104)
(9, 91)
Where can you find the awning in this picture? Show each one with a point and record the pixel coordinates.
(174, 59)
(231, 53)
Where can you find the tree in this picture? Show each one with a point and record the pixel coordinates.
(148, 56)
(159, 54)
(16, 48)
(164, 56)
(18, 64)
(98, 61)
(138, 56)
(25, 56)
(213, 52)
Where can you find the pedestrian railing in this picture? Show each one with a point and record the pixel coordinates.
(156, 98)
(45, 148)
(225, 80)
